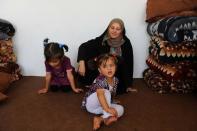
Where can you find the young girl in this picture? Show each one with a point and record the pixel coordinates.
(98, 99)
(59, 71)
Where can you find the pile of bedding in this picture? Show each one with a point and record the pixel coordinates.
(9, 69)
(172, 59)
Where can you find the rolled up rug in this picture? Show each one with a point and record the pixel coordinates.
(158, 9)
(6, 51)
(177, 70)
(6, 30)
(175, 29)
(158, 83)
(13, 69)
(167, 52)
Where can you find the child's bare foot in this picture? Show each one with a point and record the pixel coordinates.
(42, 91)
(129, 89)
(97, 122)
(110, 120)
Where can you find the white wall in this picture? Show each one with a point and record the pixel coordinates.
(72, 22)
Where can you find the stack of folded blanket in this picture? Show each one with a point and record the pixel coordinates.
(172, 56)
(9, 69)
(7, 56)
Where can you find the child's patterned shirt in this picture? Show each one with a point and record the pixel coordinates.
(100, 83)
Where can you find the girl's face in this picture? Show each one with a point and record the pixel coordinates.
(55, 63)
(108, 68)
(114, 30)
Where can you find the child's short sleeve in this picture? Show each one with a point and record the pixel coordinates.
(67, 63)
(47, 67)
(100, 83)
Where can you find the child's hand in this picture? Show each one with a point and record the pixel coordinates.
(78, 90)
(43, 91)
(112, 111)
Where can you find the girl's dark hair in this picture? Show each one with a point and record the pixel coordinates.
(53, 50)
(104, 57)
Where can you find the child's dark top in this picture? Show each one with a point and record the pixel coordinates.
(59, 76)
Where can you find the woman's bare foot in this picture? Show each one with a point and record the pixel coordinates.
(110, 120)
(97, 122)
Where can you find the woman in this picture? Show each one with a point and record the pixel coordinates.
(113, 41)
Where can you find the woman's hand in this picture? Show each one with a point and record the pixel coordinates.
(81, 68)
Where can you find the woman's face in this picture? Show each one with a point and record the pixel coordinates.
(115, 30)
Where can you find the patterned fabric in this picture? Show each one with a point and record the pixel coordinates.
(116, 51)
(8, 60)
(166, 52)
(59, 76)
(100, 83)
(159, 84)
(7, 57)
(6, 51)
(13, 69)
(175, 29)
(177, 70)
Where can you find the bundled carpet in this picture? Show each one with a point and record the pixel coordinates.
(170, 52)
(9, 69)
(172, 56)
(160, 84)
(6, 30)
(6, 51)
(159, 9)
(177, 70)
(175, 29)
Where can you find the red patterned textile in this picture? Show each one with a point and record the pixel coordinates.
(160, 84)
